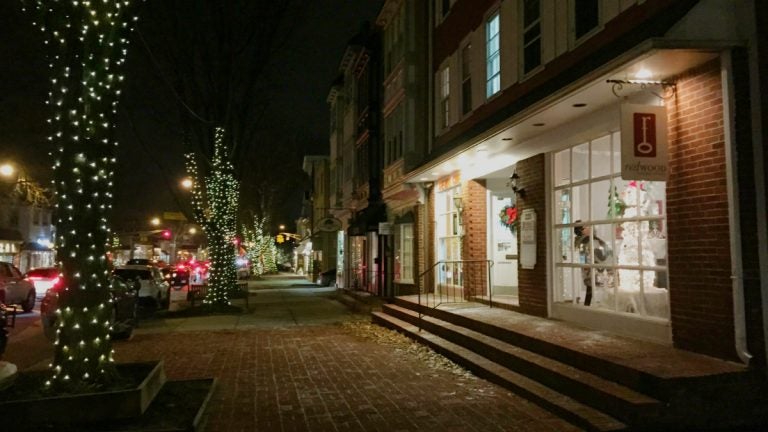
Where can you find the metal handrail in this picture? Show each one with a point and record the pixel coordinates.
(458, 275)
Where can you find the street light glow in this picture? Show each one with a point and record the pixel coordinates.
(155, 221)
(7, 170)
(193, 230)
(187, 183)
(282, 227)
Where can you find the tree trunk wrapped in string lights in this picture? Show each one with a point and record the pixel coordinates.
(88, 47)
(254, 239)
(214, 202)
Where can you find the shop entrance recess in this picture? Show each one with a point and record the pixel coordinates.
(503, 231)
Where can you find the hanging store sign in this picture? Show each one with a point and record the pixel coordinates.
(329, 224)
(644, 142)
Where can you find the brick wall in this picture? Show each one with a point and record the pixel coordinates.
(533, 282)
(475, 242)
(701, 302)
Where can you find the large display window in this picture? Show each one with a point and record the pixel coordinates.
(448, 233)
(609, 233)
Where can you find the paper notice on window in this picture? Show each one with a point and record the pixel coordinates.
(528, 239)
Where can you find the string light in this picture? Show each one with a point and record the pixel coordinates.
(88, 44)
(215, 202)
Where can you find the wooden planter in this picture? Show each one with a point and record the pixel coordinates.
(88, 407)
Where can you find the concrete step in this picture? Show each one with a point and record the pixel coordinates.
(617, 400)
(640, 381)
(562, 405)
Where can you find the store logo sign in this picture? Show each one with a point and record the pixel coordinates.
(645, 134)
(644, 142)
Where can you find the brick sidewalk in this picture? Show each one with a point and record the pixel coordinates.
(324, 378)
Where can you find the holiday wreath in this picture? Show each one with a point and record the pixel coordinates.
(508, 216)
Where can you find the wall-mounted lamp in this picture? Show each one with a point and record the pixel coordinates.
(458, 203)
(514, 183)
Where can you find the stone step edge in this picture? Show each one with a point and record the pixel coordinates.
(625, 396)
(559, 404)
(616, 372)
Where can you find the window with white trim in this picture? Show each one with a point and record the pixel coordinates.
(445, 97)
(531, 35)
(466, 79)
(404, 256)
(586, 17)
(448, 234)
(609, 233)
(492, 56)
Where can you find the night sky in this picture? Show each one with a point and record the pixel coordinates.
(150, 157)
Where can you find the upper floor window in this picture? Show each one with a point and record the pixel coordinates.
(466, 79)
(492, 56)
(445, 97)
(443, 8)
(393, 131)
(531, 35)
(393, 41)
(586, 17)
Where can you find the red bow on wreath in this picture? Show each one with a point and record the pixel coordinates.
(508, 215)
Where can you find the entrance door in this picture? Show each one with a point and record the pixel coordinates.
(503, 244)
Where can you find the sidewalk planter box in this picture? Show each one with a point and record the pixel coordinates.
(146, 380)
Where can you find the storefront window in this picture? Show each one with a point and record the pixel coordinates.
(404, 253)
(340, 260)
(448, 236)
(356, 264)
(610, 233)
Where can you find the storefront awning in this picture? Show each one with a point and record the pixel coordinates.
(367, 219)
(517, 132)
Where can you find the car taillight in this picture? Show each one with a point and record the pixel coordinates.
(58, 284)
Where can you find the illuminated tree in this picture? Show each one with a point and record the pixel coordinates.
(254, 239)
(214, 203)
(270, 257)
(88, 47)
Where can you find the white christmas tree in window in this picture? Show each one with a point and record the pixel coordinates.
(635, 234)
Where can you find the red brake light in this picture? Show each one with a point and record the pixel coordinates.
(58, 284)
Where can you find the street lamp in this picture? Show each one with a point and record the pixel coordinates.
(155, 221)
(282, 227)
(187, 183)
(7, 170)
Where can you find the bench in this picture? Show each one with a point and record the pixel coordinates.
(198, 292)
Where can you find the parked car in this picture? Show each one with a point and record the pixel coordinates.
(179, 277)
(153, 286)
(140, 261)
(43, 278)
(124, 303)
(14, 289)
(3, 332)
